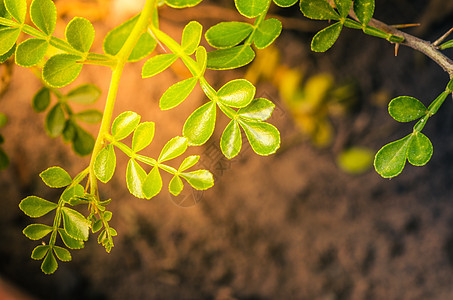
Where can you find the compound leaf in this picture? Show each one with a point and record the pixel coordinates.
(191, 37)
(225, 59)
(267, 32)
(285, 3)
(177, 93)
(199, 180)
(43, 14)
(152, 184)
(173, 148)
(143, 136)
(236, 93)
(258, 110)
(62, 69)
(406, 109)
(37, 231)
(390, 159)
(343, 7)
(8, 36)
(84, 94)
(83, 142)
(56, 177)
(176, 185)
(41, 100)
(39, 252)
(157, 64)
(75, 224)
(124, 124)
(105, 164)
(36, 207)
(263, 137)
(91, 116)
(49, 265)
(420, 149)
(228, 34)
(251, 9)
(364, 10)
(199, 127)
(325, 38)
(231, 141)
(318, 10)
(135, 176)
(55, 121)
(30, 52)
(17, 9)
(182, 3)
(62, 253)
(80, 34)
(70, 242)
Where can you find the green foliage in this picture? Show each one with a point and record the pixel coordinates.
(43, 14)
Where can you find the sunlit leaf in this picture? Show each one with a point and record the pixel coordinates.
(49, 265)
(202, 59)
(124, 124)
(71, 192)
(364, 10)
(228, 34)
(84, 94)
(191, 37)
(62, 253)
(36, 207)
(105, 164)
(75, 224)
(143, 136)
(40, 251)
(61, 69)
(175, 186)
(285, 3)
(343, 7)
(8, 54)
(258, 110)
(152, 184)
(420, 149)
(80, 34)
(173, 148)
(199, 180)
(41, 100)
(8, 36)
(135, 176)
(182, 3)
(70, 242)
(236, 93)
(37, 231)
(189, 162)
(17, 9)
(263, 137)
(55, 177)
(390, 159)
(157, 64)
(406, 109)
(325, 38)
(225, 59)
(252, 9)
(30, 52)
(318, 10)
(231, 141)
(43, 14)
(177, 93)
(267, 32)
(199, 127)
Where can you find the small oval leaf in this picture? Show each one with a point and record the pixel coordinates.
(43, 14)
(191, 37)
(175, 186)
(84, 94)
(285, 3)
(62, 253)
(318, 10)
(70, 242)
(263, 137)
(228, 34)
(420, 149)
(124, 124)
(41, 100)
(36, 207)
(236, 93)
(157, 64)
(37, 231)
(143, 136)
(135, 176)
(231, 141)
(80, 34)
(8, 36)
(30, 52)
(251, 9)
(390, 159)
(267, 32)
(364, 10)
(199, 127)
(199, 180)
(325, 38)
(40, 251)
(91, 116)
(177, 93)
(152, 184)
(258, 110)
(75, 224)
(182, 3)
(226, 59)
(173, 148)
(56, 177)
(188, 162)
(17, 9)
(49, 265)
(55, 121)
(105, 164)
(62, 69)
(83, 142)
(343, 7)
(406, 109)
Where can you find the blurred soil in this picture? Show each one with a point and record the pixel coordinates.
(289, 226)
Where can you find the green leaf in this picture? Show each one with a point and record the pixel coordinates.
(72, 192)
(84, 94)
(199, 180)
(267, 32)
(17, 9)
(152, 184)
(61, 69)
(8, 36)
(37, 231)
(36, 207)
(3, 120)
(91, 116)
(318, 10)
(343, 7)
(75, 224)
(173, 148)
(177, 93)
(364, 10)
(69, 131)
(446, 45)
(8, 54)
(83, 142)
(175, 187)
(80, 34)
(105, 164)
(202, 59)
(236, 93)
(41, 100)
(124, 124)
(231, 141)
(70, 242)
(56, 177)
(406, 109)
(251, 8)
(62, 253)
(225, 59)
(55, 121)
(30, 52)
(191, 37)
(263, 137)
(116, 38)
(135, 176)
(285, 3)
(97, 226)
(325, 38)
(40, 251)
(182, 3)
(143, 136)
(4, 160)
(49, 265)
(43, 14)
(258, 110)
(199, 127)
(420, 149)
(188, 162)
(228, 34)
(390, 159)
(157, 64)
(355, 160)
(450, 86)
(107, 215)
